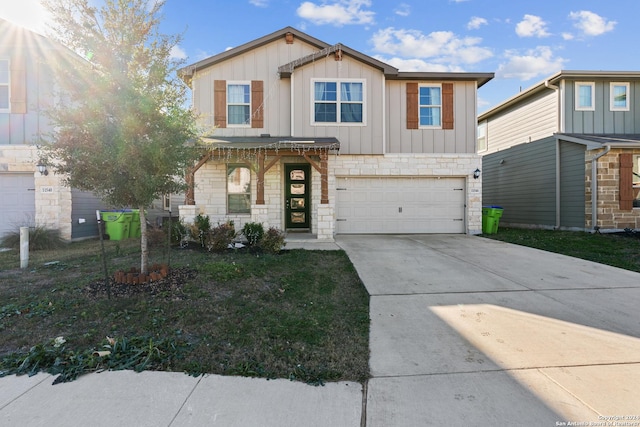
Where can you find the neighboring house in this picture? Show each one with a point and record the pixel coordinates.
(319, 138)
(565, 153)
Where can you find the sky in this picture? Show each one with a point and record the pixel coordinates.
(521, 41)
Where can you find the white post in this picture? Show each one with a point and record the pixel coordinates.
(24, 247)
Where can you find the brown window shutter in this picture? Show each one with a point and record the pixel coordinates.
(412, 106)
(18, 78)
(626, 181)
(257, 109)
(220, 103)
(447, 105)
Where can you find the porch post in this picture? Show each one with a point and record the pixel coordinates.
(260, 184)
(324, 178)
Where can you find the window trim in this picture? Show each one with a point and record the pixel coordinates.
(8, 85)
(482, 125)
(238, 83)
(338, 102)
(440, 106)
(592, 107)
(628, 95)
(228, 193)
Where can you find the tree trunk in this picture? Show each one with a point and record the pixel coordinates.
(144, 246)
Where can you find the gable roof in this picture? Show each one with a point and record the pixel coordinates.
(324, 49)
(550, 81)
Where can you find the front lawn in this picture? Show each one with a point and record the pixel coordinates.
(300, 314)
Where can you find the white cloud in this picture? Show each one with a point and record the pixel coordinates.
(339, 13)
(419, 65)
(532, 26)
(403, 9)
(534, 63)
(178, 53)
(259, 3)
(591, 24)
(439, 46)
(568, 36)
(476, 22)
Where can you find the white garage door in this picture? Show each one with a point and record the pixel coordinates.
(18, 208)
(400, 205)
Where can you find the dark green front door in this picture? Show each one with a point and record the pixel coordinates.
(297, 196)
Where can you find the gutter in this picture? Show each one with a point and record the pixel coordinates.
(559, 113)
(594, 187)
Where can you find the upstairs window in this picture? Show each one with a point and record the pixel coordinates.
(430, 105)
(338, 102)
(239, 104)
(482, 137)
(4, 85)
(585, 92)
(238, 189)
(619, 93)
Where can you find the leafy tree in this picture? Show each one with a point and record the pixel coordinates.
(120, 129)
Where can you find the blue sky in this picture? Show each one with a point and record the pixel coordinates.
(522, 42)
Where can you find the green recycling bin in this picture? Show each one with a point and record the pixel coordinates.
(116, 224)
(134, 231)
(128, 218)
(491, 219)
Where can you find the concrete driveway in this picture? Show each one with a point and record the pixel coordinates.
(471, 331)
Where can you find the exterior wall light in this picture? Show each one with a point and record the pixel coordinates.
(42, 168)
(476, 173)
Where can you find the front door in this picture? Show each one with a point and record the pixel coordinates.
(297, 196)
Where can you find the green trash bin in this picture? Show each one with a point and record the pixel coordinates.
(128, 218)
(134, 231)
(491, 219)
(116, 225)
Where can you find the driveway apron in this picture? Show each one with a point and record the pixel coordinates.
(471, 331)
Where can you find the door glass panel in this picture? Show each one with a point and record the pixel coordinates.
(297, 203)
(297, 217)
(297, 188)
(297, 175)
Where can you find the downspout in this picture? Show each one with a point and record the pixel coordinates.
(559, 124)
(594, 187)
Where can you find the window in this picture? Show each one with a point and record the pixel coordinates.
(166, 202)
(619, 96)
(238, 189)
(636, 179)
(584, 96)
(338, 102)
(239, 104)
(482, 137)
(430, 104)
(4, 85)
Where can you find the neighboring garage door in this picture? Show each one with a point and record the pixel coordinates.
(18, 206)
(400, 205)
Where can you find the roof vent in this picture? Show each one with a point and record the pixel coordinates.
(289, 38)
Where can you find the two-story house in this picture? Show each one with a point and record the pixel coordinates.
(320, 138)
(565, 153)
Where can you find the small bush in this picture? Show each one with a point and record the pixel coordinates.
(179, 231)
(253, 231)
(40, 238)
(200, 228)
(156, 237)
(220, 237)
(273, 240)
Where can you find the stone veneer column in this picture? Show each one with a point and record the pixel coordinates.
(260, 214)
(187, 213)
(326, 221)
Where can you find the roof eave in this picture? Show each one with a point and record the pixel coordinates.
(480, 78)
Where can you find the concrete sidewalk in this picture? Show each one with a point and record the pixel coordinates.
(470, 331)
(464, 331)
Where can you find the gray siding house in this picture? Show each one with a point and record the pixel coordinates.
(565, 153)
(322, 139)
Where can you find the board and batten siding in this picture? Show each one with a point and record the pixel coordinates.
(602, 120)
(522, 180)
(532, 120)
(460, 139)
(260, 63)
(572, 185)
(354, 138)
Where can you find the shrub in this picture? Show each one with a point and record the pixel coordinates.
(179, 232)
(273, 240)
(253, 231)
(220, 237)
(200, 228)
(40, 238)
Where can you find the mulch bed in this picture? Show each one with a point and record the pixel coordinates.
(169, 286)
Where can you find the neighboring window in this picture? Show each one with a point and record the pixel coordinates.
(482, 137)
(585, 92)
(636, 179)
(430, 104)
(338, 102)
(166, 202)
(619, 96)
(239, 104)
(4, 85)
(238, 189)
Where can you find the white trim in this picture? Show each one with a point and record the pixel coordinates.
(8, 84)
(243, 83)
(338, 81)
(628, 96)
(576, 86)
(435, 85)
